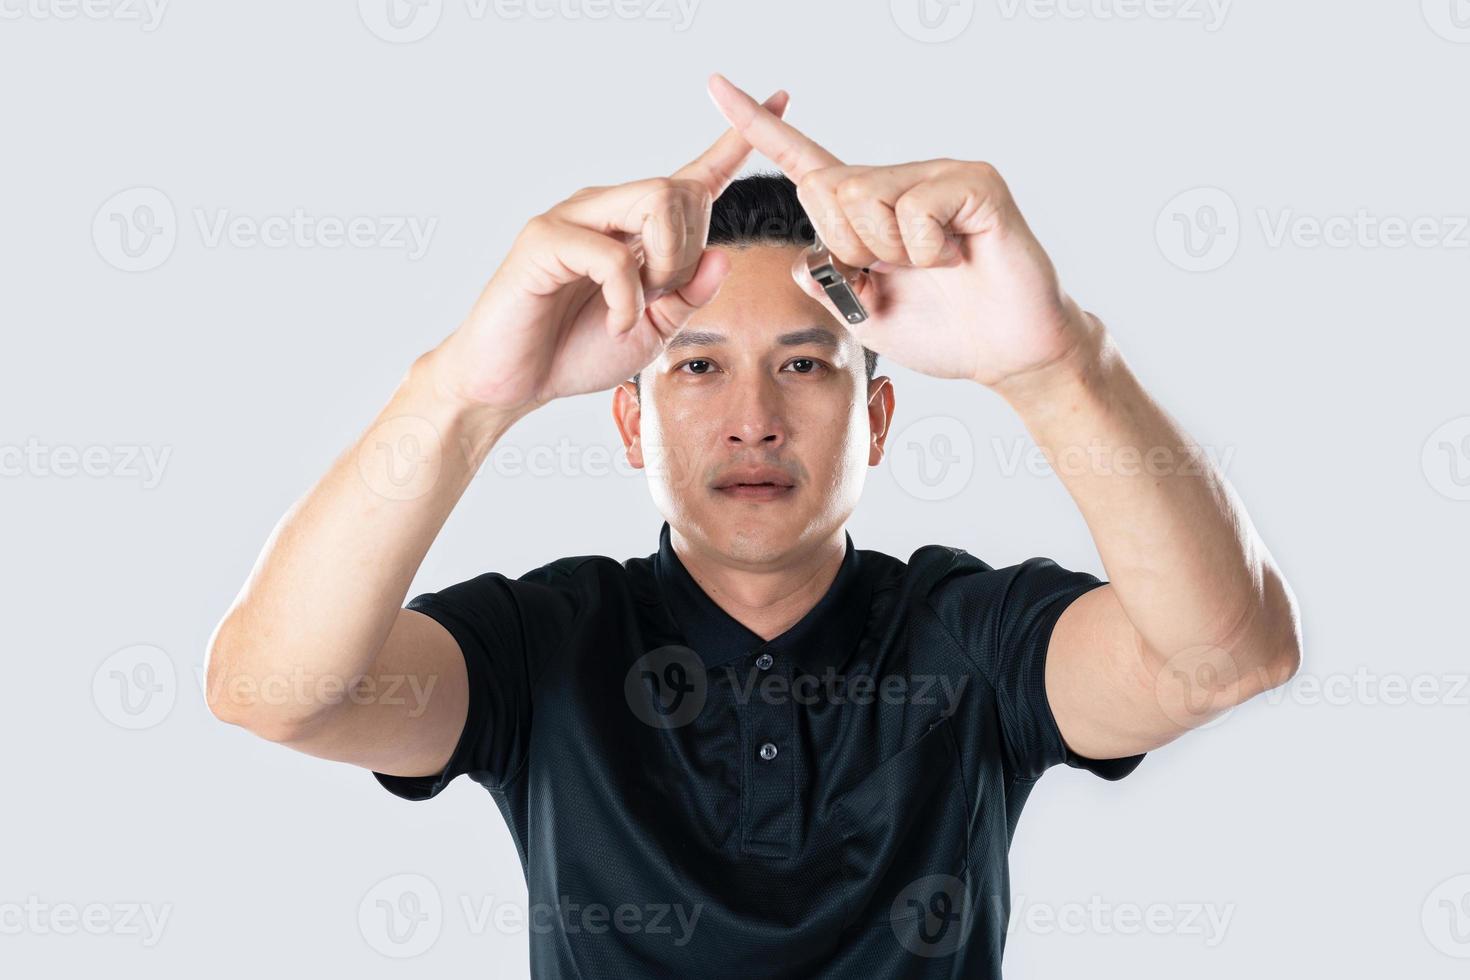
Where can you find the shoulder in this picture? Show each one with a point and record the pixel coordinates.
(575, 569)
(898, 588)
(970, 594)
(582, 581)
(940, 568)
(556, 587)
(936, 568)
(927, 566)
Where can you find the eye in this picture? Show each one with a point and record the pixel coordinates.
(813, 363)
(697, 360)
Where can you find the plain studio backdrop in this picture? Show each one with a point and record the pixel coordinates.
(228, 229)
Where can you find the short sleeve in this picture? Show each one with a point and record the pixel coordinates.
(1003, 619)
(507, 631)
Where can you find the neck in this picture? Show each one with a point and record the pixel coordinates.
(766, 598)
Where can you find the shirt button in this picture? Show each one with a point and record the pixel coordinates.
(764, 661)
(768, 751)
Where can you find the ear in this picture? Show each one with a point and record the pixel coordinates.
(628, 415)
(880, 416)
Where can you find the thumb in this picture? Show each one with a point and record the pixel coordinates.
(676, 307)
(709, 275)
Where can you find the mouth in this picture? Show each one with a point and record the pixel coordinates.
(769, 484)
(756, 491)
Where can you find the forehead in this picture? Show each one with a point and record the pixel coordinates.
(758, 302)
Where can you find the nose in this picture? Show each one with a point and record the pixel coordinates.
(754, 417)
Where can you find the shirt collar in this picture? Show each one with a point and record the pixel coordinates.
(825, 637)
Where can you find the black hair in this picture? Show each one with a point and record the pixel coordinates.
(763, 209)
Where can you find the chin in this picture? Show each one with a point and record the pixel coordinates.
(754, 533)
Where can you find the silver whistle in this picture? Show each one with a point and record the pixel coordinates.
(833, 275)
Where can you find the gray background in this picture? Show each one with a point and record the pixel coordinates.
(1328, 823)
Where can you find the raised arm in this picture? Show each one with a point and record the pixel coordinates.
(316, 652)
(1196, 617)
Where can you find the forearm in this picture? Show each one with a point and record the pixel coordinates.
(1179, 549)
(331, 579)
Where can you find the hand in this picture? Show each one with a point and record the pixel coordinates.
(593, 288)
(958, 287)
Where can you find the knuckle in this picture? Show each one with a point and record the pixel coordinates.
(666, 195)
(697, 193)
(816, 180)
(985, 171)
(661, 188)
(624, 262)
(850, 191)
(539, 227)
(907, 210)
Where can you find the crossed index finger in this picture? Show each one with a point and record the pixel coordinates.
(787, 147)
(717, 166)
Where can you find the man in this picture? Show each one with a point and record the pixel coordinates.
(761, 751)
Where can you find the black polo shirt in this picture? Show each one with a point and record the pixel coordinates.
(689, 800)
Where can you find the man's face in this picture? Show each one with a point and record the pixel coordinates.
(757, 423)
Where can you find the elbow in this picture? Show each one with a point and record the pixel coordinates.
(218, 670)
(1278, 643)
(237, 693)
(229, 701)
(1285, 659)
(224, 687)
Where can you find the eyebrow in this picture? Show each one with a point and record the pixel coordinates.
(820, 336)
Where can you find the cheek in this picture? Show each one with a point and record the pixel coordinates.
(690, 425)
(833, 422)
(832, 440)
(678, 441)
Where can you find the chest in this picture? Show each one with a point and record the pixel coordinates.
(759, 788)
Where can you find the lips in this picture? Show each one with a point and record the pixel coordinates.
(768, 477)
